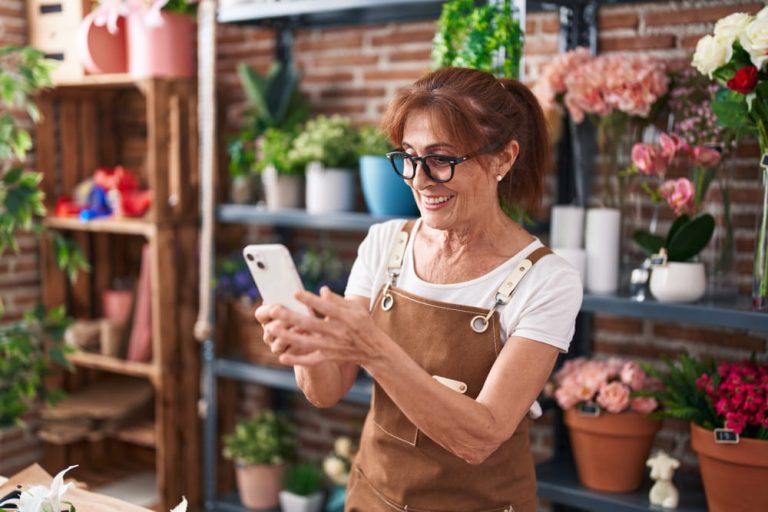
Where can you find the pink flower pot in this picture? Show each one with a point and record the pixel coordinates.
(166, 50)
(98, 50)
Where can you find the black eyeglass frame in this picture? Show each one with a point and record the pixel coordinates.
(453, 161)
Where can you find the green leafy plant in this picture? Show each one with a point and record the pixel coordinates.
(686, 238)
(25, 349)
(321, 268)
(303, 479)
(268, 438)
(181, 6)
(372, 141)
(274, 148)
(486, 37)
(330, 140)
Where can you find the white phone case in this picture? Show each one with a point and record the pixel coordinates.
(275, 274)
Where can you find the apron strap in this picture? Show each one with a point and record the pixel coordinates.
(395, 263)
(480, 323)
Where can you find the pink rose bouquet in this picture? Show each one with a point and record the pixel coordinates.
(692, 230)
(608, 384)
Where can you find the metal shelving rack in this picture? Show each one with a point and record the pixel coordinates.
(557, 480)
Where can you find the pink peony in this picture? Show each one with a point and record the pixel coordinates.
(613, 397)
(633, 376)
(706, 157)
(679, 195)
(643, 404)
(648, 160)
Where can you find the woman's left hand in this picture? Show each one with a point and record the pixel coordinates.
(344, 332)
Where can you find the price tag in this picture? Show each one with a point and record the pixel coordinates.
(589, 409)
(764, 160)
(726, 436)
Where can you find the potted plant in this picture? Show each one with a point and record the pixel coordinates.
(677, 276)
(326, 144)
(241, 167)
(160, 37)
(302, 489)
(336, 467)
(322, 268)
(281, 170)
(260, 448)
(609, 424)
(385, 193)
(727, 406)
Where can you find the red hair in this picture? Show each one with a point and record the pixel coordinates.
(472, 109)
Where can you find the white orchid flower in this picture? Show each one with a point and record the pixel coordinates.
(181, 507)
(40, 498)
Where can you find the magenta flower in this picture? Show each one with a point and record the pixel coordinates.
(679, 195)
(706, 157)
(648, 160)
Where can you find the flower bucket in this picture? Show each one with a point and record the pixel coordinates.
(290, 502)
(678, 281)
(329, 190)
(610, 450)
(166, 50)
(385, 193)
(734, 474)
(259, 485)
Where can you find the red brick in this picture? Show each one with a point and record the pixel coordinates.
(541, 46)
(607, 20)
(634, 350)
(550, 24)
(753, 195)
(744, 220)
(710, 337)
(617, 324)
(330, 43)
(319, 78)
(394, 74)
(744, 245)
(403, 38)
(367, 92)
(343, 60)
(614, 44)
(690, 42)
(530, 26)
(338, 109)
(745, 171)
(697, 15)
(11, 12)
(410, 55)
(748, 148)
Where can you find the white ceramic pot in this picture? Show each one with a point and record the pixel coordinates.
(281, 190)
(329, 190)
(290, 502)
(678, 282)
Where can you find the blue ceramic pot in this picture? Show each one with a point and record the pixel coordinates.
(385, 193)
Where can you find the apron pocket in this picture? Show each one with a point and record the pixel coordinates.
(388, 418)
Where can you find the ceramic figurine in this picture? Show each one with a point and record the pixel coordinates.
(663, 492)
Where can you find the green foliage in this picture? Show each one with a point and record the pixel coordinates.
(371, 141)
(318, 268)
(680, 398)
(303, 479)
(686, 238)
(26, 350)
(181, 6)
(487, 37)
(330, 140)
(275, 148)
(269, 438)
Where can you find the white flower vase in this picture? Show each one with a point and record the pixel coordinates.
(290, 502)
(678, 282)
(329, 189)
(281, 190)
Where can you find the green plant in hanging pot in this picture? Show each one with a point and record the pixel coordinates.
(261, 447)
(328, 147)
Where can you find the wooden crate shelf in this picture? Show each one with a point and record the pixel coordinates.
(142, 434)
(114, 365)
(126, 226)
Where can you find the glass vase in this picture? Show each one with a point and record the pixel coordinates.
(760, 268)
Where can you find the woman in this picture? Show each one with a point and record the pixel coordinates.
(458, 316)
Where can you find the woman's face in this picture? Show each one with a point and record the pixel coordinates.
(466, 198)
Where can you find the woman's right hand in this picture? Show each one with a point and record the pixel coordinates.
(265, 316)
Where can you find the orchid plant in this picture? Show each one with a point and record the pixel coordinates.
(39, 498)
(692, 230)
(109, 11)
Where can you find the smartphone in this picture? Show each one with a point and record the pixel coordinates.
(275, 274)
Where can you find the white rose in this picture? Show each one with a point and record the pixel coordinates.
(731, 27)
(763, 13)
(755, 41)
(335, 470)
(343, 447)
(711, 53)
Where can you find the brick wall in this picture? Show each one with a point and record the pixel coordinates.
(355, 71)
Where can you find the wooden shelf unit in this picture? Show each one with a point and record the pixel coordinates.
(148, 126)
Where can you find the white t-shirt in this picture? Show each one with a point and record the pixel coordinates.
(542, 308)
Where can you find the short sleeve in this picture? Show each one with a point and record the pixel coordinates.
(551, 302)
(365, 276)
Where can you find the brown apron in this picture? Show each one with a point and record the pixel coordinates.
(398, 467)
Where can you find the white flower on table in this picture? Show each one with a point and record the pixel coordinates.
(711, 53)
(40, 498)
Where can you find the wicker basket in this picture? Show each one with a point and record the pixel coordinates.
(241, 333)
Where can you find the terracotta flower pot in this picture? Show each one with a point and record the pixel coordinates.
(259, 485)
(735, 476)
(610, 450)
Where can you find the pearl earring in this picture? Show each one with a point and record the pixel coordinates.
(499, 177)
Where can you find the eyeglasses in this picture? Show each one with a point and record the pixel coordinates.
(438, 168)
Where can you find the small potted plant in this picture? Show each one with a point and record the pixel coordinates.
(281, 172)
(327, 145)
(260, 448)
(242, 164)
(727, 407)
(385, 193)
(302, 489)
(609, 424)
(322, 268)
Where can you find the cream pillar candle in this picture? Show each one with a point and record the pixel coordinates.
(566, 227)
(603, 227)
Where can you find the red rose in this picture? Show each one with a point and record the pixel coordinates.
(744, 80)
